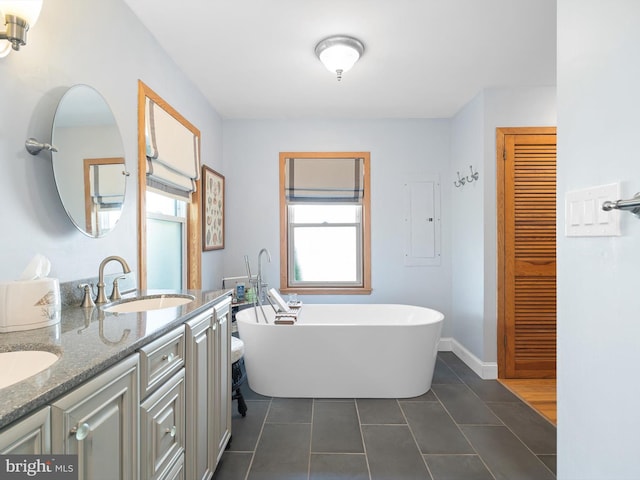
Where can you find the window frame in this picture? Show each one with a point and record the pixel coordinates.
(289, 286)
(194, 230)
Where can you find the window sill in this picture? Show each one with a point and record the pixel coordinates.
(327, 290)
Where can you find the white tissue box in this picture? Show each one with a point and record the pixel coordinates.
(29, 304)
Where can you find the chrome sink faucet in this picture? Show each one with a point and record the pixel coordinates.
(262, 285)
(101, 297)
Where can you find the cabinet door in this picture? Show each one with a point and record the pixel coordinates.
(177, 472)
(162, 418)
(30, 436)
(222, 400)
(199, 397)
(98, 421)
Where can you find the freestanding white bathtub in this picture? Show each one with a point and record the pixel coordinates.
(342, 351)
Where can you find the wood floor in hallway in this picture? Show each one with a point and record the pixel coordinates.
(540, 394)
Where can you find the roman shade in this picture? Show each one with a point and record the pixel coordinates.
(324, 179)
(173, 153)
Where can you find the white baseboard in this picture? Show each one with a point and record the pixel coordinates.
(485, 370)
(445, 344)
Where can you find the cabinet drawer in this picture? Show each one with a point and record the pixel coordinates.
(162, 432)
(160, 359)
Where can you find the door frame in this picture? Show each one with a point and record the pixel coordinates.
(501, 133)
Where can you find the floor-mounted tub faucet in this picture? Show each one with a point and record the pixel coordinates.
(101, 297)
(262, 286)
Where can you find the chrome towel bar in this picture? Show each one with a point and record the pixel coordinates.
(632, 205)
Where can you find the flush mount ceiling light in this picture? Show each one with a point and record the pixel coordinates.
(339, 53)
(17, 16)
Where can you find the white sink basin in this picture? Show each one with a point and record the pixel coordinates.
(148, 302)
(16, 366)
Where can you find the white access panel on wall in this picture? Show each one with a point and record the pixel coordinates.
(422, 221)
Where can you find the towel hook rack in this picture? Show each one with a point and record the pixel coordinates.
(468, 179)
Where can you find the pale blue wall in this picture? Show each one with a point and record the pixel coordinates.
(104, 45)
(464, 286)
(35, 78)
(474, 237)
(467, 227)
(598, 98)
(598, 300)
(399, 148)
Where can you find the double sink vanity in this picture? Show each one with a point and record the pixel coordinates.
(136, 388)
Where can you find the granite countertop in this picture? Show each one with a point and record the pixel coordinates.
(88, 341)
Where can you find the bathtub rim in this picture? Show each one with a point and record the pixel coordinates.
(435, 316)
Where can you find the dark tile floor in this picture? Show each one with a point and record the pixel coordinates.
(465, 428)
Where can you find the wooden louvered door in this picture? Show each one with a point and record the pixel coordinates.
(527, 252)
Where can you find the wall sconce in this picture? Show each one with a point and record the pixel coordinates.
(339, 53)
(17, 16)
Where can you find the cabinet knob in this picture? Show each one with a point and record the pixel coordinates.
(169, 358)
(171, 431)
(80, 431)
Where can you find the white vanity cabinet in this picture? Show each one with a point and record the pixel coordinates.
(208, 390)
(98, 421)
(162, 410)
(162, 413)
(29, 436)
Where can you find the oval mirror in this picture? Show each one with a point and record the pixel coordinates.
(88, 166)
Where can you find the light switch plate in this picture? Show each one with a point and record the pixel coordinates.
(584, 216)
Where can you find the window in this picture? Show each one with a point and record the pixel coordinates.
(169, 230)
(166, 242)
(324, 223)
